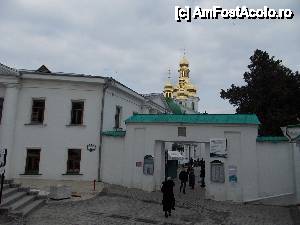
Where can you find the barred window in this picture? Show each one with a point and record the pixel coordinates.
(217, 171)
(77, 112)
(37, 112)
(73, 163)
(182, 131)
(32, 161)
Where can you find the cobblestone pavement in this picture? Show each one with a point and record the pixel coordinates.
(119, 205)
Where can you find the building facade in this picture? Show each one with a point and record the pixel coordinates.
(64, 126)
(52, 123)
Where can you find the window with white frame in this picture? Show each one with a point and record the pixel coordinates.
(118, 117)
(77, 112)
(32, 161)
(37, 111)
(73, 162)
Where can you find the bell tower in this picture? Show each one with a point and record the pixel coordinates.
(168, 88)
(184, 92)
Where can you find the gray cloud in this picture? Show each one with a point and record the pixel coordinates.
(137, 41)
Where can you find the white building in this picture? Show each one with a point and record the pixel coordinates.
(74, 127)
(251, 169)
(49, 119)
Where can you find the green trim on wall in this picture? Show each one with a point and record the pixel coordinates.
(195, 118)
(272, 139)
(114, 133)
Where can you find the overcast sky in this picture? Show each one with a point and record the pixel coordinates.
(136, 41)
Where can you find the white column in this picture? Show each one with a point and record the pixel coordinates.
(8, 123)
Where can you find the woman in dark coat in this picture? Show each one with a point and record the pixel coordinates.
(202, 172)
(168, 196)
(192, 179)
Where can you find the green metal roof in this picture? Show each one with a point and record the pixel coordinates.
(195, 118)
(173, 106)
(271, 139)
(114, 133)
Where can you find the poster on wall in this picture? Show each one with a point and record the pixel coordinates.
(138, 164)
(218, 147)
(148, 168)
(232, 174)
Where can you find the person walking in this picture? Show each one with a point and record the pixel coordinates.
(202, 172)
(183, 177)
(192, 179)
(168, 196)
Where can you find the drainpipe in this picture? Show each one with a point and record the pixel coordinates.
(107, 83)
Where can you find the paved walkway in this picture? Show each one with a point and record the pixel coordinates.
(119, 205)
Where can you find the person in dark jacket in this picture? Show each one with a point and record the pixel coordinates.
(183, 177)
(168, 196)
(202, 172)
(192, 179)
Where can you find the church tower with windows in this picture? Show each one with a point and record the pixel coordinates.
(184, 92)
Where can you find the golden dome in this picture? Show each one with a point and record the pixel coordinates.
(182, 94)
(183, 61)
(191, 87)
(168, 85)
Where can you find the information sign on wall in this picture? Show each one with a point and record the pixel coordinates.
(138, 164)
(218, 147)
(148, 165)
(232, 173)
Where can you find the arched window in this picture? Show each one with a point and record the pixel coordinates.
(217, 171)
(148, 168)
(193, 106)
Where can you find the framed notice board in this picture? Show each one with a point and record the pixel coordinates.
(148, 167)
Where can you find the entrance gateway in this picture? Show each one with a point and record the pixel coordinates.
(150, 135)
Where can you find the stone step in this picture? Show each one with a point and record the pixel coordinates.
(8, 181)
(9, 191)
(14, 185)
(5, 186)
(12, 198)
(24, 211)
(27, 199)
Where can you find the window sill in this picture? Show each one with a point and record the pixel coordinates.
(36, 124)
(75, 125)
(72, 174)
(30, 174)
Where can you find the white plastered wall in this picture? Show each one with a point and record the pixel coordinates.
(115, 97)
(275, 161)
(112, 160)
(240, 149)
(55, 137)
